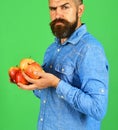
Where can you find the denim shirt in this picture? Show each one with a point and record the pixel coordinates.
(80, 100)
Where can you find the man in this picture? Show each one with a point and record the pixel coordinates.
(74, 88)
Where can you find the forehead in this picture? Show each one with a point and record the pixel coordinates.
(60, 2)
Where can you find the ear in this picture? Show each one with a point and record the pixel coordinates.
(80, 10)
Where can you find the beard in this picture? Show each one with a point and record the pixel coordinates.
(62, 28)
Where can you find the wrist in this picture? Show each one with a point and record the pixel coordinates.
(56, 82)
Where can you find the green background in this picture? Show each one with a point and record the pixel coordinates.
(25, 32)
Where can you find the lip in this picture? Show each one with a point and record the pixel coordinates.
(59, 23)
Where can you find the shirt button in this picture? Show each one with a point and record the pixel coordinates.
(62, 70)
(44, 101)
(102, 90)
(58, 50)
(62, 97)
(50, 66)
(41, 119)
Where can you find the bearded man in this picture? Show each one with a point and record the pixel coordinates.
(73, 91)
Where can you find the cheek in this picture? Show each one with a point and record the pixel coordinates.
(71, 18)
(71, 15)
(52, 17)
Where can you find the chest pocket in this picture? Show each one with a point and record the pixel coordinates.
(64, 69)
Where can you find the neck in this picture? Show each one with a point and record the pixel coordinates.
(63, 40)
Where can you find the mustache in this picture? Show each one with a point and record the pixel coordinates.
(52, 23)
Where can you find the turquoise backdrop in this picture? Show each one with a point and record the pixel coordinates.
(25, 32)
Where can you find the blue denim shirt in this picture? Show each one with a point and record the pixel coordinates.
(80, 100)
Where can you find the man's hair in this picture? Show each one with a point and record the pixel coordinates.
(79, 1)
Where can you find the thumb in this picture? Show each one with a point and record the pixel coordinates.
(39, 74)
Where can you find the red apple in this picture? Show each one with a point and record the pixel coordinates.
(33, 70)
(25, 62)
(19, 77)
(12, 72)
(29, 66)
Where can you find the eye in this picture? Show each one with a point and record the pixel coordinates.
(64, 7)
(52, 8)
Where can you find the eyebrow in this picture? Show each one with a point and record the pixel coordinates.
(58, 6)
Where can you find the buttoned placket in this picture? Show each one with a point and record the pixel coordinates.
(42, 113)
(56, 53)
(44, 100)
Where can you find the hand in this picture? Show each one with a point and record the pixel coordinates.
(46, 80)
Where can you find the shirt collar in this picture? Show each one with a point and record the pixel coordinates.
(76, 36)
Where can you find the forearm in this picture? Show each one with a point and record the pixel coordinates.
(92, 104)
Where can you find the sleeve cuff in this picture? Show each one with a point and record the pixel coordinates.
(63, 89)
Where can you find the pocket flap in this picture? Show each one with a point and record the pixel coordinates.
(64, 69)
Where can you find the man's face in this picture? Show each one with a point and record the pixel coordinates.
(64, 17)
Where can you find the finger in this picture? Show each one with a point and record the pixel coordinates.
(27, 87)
(28, 78)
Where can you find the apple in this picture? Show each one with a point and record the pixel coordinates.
(33, 70)
(16, 76)
(12, 72)
(25, 62)
(27, 65)
(19, 77)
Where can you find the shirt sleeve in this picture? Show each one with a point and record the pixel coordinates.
(92, 97)
(37, 93)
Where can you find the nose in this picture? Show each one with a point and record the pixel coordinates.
(58, 13)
